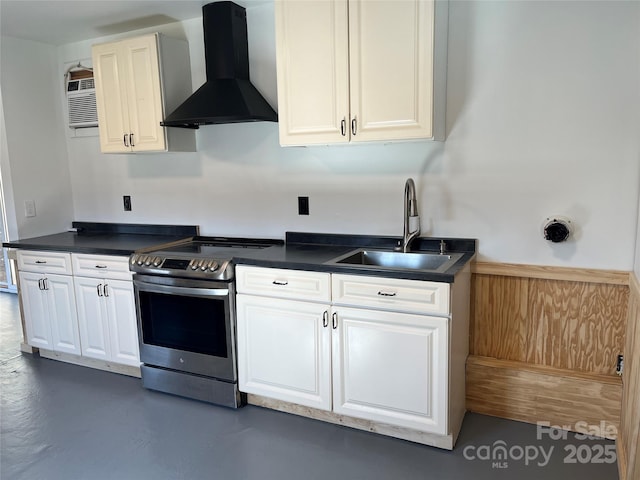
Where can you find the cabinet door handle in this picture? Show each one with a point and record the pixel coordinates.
(41, 261)
(280, 282)
(124, 140)
(101, 266)
(98, 289)
(41, 284)
(343, 127)
(334, 320)
(131, 140)
(104, 290)
(354, 126)
(45, 284)
(325, 319)
(387, 294)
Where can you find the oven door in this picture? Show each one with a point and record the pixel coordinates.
(187, 325)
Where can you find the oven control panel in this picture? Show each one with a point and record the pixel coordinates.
(199, 267)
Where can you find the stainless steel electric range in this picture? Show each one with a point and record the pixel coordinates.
(185, 303)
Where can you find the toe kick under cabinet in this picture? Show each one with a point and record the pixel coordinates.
(380, 354)
(80, 308)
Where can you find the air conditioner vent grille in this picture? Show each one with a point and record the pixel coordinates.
(81, 103)
(82, 110)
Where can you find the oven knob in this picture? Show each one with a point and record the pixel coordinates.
(147, 260)
(134, 259)
(213, 267)
(157, 261)
(205, 265)
(141, 260)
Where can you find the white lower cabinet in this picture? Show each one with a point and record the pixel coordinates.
(79, 304)
(284, 350)
(391, 367)
(382, 365)
(107, 319)
(49, 307)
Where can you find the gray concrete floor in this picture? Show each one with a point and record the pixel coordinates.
(61, 421)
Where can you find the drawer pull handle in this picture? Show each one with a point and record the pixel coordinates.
(101, 266)
(41, 261)
(325, 319)
(387, 294)
(280, 282)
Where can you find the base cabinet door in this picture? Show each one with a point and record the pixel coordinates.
(391, 368)
(107, 318)
(285, 350)
(36, 314)
(123, 331)
(50, 312)
(62, 310)
(92, 318)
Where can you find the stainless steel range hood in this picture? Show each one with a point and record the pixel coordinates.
(227, 96)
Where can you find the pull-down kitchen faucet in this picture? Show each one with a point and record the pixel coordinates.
(411, 217)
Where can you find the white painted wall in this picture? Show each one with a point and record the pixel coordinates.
(543, 114)
(35, 164)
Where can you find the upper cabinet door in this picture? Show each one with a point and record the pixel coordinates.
(144, 93)
(111, 101)
(360, 70)
(313, 71)
(136, 79)
(391, 69)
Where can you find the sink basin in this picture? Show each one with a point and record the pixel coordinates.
(433, 262)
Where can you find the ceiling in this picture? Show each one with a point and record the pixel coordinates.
(58, 22)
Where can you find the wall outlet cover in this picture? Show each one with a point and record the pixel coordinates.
(29, 208)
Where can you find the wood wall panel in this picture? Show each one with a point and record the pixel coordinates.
(499, 317)
(532, 393)
(613, 277)
(629, 440)
(564, 324)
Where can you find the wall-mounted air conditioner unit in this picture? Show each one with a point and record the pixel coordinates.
(81, 102)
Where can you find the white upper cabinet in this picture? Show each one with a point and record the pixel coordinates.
(358, 70)
(136, 84)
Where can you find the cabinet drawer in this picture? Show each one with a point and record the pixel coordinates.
(101, 266)
(391, 294)
(44, 262)
(274, 282)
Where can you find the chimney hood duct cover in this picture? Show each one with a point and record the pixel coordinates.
(227, 96)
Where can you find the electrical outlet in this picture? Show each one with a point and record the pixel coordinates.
(619, 364)
(303, 205)
(126, 202)
(29, 208)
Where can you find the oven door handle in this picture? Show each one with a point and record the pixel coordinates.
(172, 289)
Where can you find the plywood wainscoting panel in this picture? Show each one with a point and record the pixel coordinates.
(535, 393)
(544, 342)
(629, 440)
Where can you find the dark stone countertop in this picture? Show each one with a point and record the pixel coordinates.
(107, 238)
(314, 251)
(301, 251)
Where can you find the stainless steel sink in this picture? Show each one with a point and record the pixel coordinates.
(433, 262)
